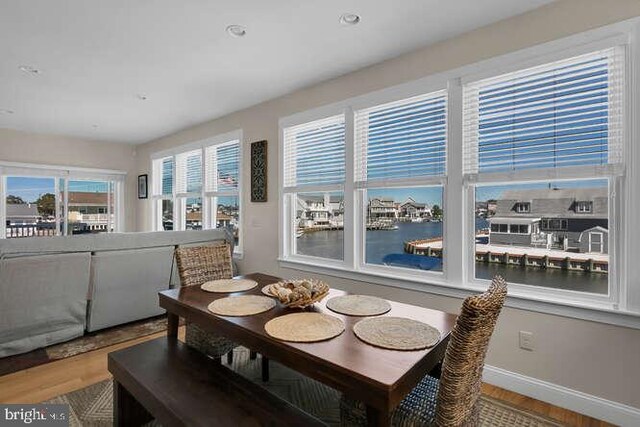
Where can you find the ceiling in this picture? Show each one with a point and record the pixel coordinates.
(96, 57)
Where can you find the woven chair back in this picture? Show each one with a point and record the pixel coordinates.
(461, 378)
(200, 264)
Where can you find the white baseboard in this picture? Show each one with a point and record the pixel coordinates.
(577, 401)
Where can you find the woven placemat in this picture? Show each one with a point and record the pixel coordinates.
(228, 285)
(358, 305)
(396, 333)
(244, 305)
(304, 327)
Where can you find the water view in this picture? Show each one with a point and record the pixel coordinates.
(329, 244)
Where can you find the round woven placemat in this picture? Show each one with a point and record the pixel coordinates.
(244, 305)
(304, 327)
(396, 333)
(358, 305)
(228, 285)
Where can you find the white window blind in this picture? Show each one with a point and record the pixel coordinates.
(189, 172)
(314, 153)
(402, 140)
(163, 168)
(222, 167)
(566, 113)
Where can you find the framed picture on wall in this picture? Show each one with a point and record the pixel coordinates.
(142, 186)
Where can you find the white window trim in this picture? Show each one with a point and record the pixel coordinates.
(623, 308)
(180, 198)
(67, 173)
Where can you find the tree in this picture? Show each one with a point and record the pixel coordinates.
(46, 204)
(15, 200)
(436, 212)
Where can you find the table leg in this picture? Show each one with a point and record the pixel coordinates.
(172, 325)
(127, 411)
(377, 417)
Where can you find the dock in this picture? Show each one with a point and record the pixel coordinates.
(519, 256)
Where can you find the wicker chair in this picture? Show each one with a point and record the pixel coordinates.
(453, 400)
(197, 265)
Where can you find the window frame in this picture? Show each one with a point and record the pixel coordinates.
(207, 197)
(61, 176)
(622, 305)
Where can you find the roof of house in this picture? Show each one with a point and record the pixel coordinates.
(412, 202)
(550, 193)
(554, 203)
(84, 198)
(22, 210)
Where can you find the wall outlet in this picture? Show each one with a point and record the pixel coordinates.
(526, 340)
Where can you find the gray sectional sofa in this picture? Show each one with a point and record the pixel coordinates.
(54, 289)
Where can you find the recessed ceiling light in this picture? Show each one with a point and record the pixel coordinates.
(29, 69)
(3, 111)
(349, 19)
(236, 31)
(142, 97)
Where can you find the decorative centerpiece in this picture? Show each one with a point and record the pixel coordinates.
(299, 293)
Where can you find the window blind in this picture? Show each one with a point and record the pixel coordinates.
(189, 172)
(314, 153)
(222, 163)
(565, 113)
(401, 140)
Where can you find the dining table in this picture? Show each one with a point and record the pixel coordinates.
(378, 377)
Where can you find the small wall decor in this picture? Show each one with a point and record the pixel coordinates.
(259, 171)
(142, 186)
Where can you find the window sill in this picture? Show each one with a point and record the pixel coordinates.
(602, 313)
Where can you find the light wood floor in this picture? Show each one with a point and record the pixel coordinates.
(63, 376)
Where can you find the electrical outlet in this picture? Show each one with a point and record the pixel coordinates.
(526, 340)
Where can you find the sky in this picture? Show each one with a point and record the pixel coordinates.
(31, 188)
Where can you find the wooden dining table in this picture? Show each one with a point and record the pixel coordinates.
(378, 377)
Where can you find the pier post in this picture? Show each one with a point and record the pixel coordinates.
(488, 255)
(525, 260)
(545, 261)
(566, 264)
(505, 258)
(428, 250)
(590, 265)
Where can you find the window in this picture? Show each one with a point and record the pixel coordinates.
(560, 118)
(516, 165)
(584, 207)
(44, 201)
(198, 187)
(400, 167)
(523, 207)
(314, 176)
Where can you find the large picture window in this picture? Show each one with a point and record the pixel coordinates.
(198, 187)
(560, 119)
(46, 201)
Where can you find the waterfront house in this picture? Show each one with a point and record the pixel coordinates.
(319, 210)
(412, 209)
(571, 219)
(382, 208)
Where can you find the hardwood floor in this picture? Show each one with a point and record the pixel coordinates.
(63, 376)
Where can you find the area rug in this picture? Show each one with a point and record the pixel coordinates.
(83, 344)
(92, 406)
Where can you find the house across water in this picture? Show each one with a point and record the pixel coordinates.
(572, 219)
